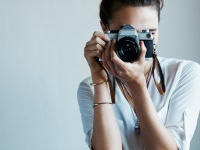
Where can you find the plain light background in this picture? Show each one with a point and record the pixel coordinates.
(42, 63)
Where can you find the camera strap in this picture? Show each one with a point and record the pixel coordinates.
(111, 85)
(156, 67)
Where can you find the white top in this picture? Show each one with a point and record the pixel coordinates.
(178, 108)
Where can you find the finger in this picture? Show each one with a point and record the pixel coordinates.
(111, 59)
(117, 63)
(100, 35)
(105, 57)
(114, 56)
(113, 53)
(94, 50)
(97, 40)
(107, 52)
(111, 63)
(114, 59)
(142, 53)
(94, 47)
(91, 52)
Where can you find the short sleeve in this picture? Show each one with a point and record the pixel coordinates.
(184, 105)
(85, 101)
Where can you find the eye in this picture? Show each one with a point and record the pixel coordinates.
(153, 31)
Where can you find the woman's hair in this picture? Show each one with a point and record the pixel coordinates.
(109, 7)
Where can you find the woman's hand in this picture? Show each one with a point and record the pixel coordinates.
(94, 50)
(125, 71)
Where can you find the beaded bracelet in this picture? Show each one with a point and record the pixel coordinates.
(97, 104)
(94, 84)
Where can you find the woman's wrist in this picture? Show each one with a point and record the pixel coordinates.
(100, 83)
(140, 83)
(99, 77)
(140, 80)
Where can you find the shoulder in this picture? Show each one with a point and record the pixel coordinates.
(85, 94)
(84, 86)
(182, 67)
(85, 91)
(85, 82)
(174, 62)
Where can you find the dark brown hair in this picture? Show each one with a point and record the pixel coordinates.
(108, 7)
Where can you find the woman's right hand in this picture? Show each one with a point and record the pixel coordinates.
(93, 51)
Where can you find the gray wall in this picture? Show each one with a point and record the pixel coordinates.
(41, 65)
(179, 37)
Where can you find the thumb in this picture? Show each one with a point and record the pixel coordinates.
(143, 50)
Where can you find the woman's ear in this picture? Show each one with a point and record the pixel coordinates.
(103, 27)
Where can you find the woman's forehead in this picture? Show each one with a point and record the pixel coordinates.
(139, 17)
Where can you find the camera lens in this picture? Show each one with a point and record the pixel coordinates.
(127, 49)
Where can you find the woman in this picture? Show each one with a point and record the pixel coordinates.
(146, 114)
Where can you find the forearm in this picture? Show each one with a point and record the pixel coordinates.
(106, 133)
(153, 132)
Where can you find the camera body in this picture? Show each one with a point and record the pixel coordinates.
(128, 43)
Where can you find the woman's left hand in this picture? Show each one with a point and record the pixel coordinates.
(124, 71)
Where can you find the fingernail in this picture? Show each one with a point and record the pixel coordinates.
(114, 40)
(109, 42)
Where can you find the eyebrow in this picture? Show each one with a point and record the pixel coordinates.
(150, 30)
(153, 29)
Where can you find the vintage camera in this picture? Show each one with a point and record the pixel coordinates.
(127, 43)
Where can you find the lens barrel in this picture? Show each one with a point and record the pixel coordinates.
(127, 49)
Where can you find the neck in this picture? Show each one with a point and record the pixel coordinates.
(147, 68)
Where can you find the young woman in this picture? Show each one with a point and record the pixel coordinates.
(156, 101)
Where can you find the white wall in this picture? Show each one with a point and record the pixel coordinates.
(179, 37)
(41, 65)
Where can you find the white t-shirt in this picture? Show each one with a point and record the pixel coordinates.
(178, 108)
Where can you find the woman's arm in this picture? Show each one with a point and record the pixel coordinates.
(153, 132)
(106, 133)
